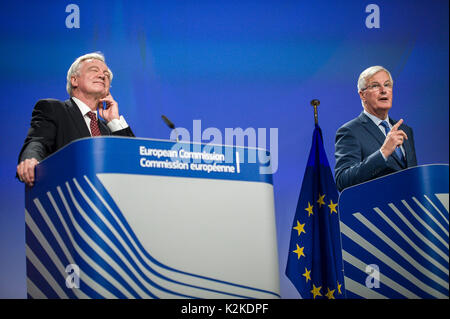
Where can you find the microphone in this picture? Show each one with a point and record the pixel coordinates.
(170, 125)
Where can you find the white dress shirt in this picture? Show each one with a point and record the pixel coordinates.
(113, 125)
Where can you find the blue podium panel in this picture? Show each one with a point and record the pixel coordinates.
(394, 232)
(113, 217)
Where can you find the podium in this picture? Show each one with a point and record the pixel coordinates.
(394, 232)
(114, 217)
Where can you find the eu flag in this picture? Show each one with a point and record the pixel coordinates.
(315, 259)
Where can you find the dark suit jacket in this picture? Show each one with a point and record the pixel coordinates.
(358, 156)
(56, 123)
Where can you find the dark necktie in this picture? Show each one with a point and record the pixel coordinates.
(95, 131)
(398, 151)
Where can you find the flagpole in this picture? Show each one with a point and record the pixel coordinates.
(315, 103)
(314, 264)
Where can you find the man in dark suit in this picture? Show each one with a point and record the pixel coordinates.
(373, 144)
(56, 123)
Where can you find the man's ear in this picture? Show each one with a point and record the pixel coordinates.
(74, 81)
(361, 95)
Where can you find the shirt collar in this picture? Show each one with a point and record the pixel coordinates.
(84, 109)
(375, 119)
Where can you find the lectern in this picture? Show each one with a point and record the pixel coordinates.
(395, 236)
(113, 217)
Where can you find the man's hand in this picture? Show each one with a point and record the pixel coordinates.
(25, 171)
(112, 108)
(393, 140)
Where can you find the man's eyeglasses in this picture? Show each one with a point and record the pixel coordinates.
(377, 86)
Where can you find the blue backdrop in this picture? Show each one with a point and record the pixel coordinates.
(249, 64)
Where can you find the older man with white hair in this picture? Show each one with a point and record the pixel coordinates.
(56, 123)
(373, 144)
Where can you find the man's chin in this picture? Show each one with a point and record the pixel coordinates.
(384, 106)
(100, 94)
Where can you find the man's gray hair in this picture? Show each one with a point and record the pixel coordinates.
(75, 68)
(368, 73)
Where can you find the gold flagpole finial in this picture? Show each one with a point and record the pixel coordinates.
(315, 103)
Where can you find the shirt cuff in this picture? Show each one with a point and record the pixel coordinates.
(117, 124)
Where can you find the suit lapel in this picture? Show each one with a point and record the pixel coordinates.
(103, 128)
(77, 118)
(408, 152)
(370, 126)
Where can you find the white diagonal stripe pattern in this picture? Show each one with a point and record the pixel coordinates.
(93, 264)
(385, 280)
(47, 247)
(34, 291)
(105, 238)
(87, 280)
(45, 273)
(418, 234)
(411, 243)
(355, 237)
(400, 251)
(184, 278)
(361, 290)
(438, 224)
(81, 218)
(437, 209)
(425, 224)
(100, 251)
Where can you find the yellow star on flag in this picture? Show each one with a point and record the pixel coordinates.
(330, 293)
(299, 228)
(316, 291)
(339, 288)
(320, 200)
(307, 274)
(309, 209)
(332, 207)
(299, 252)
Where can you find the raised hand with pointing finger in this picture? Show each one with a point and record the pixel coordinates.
(394, 139)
